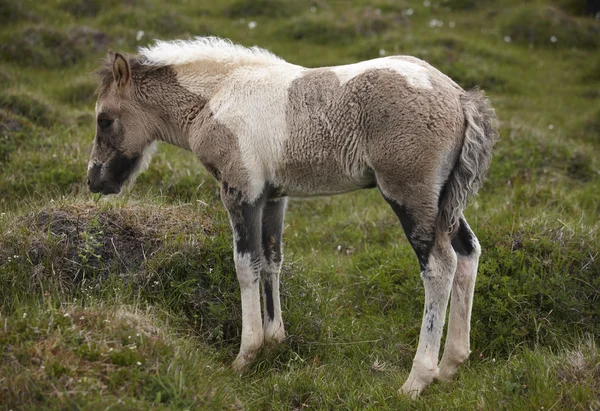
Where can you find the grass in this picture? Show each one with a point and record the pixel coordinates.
(132, 303)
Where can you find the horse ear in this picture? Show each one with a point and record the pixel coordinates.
(121, 70)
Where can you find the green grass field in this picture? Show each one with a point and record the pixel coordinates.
(132, 302)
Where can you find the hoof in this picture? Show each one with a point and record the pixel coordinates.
(412, 390)
(419, 379)
(242, 362)
(274, 337)
(449, 365)
(446, 373)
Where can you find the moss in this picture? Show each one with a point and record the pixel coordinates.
(549, 27)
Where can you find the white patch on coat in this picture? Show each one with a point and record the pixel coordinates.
(252, 103)
(415, 74)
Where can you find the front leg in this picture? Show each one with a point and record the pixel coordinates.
(246, 219)
(272, 227)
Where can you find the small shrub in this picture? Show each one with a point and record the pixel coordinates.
(12, 130)
(12, 11)
(548, 26)
(43, 46)
(580, 167)
(325, 27)
(268, 8)
(29, 107)
(89, 8)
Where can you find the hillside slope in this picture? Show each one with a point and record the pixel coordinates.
(132, 303)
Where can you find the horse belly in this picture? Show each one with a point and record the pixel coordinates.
(317, 179)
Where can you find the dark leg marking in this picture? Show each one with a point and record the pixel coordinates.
(268, 287)
(272, 225)
(421, 246)
(463, 240)
(245, 219)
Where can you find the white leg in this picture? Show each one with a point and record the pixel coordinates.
(274, 330)
(457, 347)
(437, 280)
(248, 274)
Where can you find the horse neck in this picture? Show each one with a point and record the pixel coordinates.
(204, 78)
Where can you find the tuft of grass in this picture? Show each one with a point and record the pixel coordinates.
(79, 92)
(73, 357)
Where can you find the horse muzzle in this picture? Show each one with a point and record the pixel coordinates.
(97, 185)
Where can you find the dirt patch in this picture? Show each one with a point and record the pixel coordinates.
(93, 241)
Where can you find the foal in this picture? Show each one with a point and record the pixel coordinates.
(267, 129)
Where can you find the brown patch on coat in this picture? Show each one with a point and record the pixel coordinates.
(341, 137)
(218, 150)
(324, 153)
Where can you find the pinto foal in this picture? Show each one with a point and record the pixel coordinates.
(267, 129)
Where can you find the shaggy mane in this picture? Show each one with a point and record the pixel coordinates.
(215, 49)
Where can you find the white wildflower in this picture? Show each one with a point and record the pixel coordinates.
(139, 363)
(550, 126)
(382, 52)
(507, 39)
(252, 25)
(553, 39)
(313, 9)
(426, 3)
(433, 23)
(409, 12)
(67, 315)
(139, 35)
(452, 24)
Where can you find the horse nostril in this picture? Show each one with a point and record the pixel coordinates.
(89, 181)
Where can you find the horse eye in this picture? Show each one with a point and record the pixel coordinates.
(104, 123)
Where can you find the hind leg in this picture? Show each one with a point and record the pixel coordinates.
(457, 347)
(438, 264)
(272, 227)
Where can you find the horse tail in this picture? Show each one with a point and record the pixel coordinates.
(470, 170)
